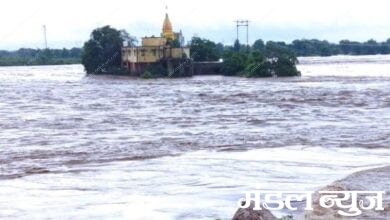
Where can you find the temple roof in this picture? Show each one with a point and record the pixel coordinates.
(167, 30)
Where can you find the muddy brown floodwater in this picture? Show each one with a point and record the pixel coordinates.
(103, 147)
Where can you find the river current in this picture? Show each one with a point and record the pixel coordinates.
(106, 147)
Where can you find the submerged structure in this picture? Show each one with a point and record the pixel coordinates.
(166, 53)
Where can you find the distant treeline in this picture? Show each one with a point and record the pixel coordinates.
(304, 47)
(311, 47)
(324, 48)
(27, 57)
(212, 51)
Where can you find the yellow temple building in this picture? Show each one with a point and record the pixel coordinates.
(169, 46)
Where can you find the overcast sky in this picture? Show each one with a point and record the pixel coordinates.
(70, 22)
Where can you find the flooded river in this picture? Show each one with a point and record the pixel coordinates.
(105, 147)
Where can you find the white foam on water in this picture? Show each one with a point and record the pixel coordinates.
(203, 184)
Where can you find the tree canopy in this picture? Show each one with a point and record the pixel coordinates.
(258, 45)
(204, 50)
(102, 52)
(270, 60)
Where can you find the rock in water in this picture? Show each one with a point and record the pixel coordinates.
(377, 179)
(250, 214)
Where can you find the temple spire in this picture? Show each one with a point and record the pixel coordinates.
(167, 30)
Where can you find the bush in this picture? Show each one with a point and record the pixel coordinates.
(146, 75)
(276, 60)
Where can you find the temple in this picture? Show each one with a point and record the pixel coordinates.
(167, 50)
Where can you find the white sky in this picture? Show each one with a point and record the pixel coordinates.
(70, 22)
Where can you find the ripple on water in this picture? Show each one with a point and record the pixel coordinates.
(101, 133)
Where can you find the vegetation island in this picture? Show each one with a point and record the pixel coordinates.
(111, 51)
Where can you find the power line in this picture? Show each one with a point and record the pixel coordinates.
(243, 23)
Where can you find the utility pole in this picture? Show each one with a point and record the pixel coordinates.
(243, 23)
(44, 36)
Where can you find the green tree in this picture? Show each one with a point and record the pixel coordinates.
(75, 52)
(203, 50)
(258, 66)
(237, 45)
(282, 60)
(92, 56)
(43, 57)
(275, 60)
(102, 52)
(258, 45)
(371, 47)
(234, 62)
